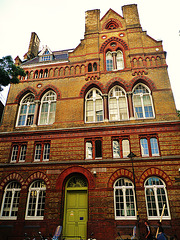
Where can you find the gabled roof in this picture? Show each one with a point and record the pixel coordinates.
(45, 50)
(111, 11)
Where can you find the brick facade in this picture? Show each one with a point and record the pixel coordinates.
(71, 80)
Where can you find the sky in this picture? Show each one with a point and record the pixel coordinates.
(60, 25)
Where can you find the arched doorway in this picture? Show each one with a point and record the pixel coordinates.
(75, 208)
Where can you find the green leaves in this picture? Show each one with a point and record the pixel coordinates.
(9, 72)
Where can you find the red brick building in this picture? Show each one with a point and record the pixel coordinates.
(69, 126)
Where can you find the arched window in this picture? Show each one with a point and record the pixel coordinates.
(124, 199)
(48, 108)
(10, 201)
(36, 74)
(156, 198)
(142, 101)
(41, 74)
(26, 111)
(36, 200)
(90, 67)
(94, 106)
(46, 73)
(94, 67)
(114, 60)
(118, 109)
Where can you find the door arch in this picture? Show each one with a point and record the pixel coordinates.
(76, 208)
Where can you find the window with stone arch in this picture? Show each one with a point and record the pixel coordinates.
(114, 59)
(48, 108)
(124, 199)
(156, 198)
(10, 203)
(26, 111)
(142, 102)
(94, 111)
(36, 200)
(118, 107)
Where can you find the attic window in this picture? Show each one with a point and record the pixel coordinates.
(112, 25)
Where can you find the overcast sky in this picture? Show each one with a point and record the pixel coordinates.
(61, 24)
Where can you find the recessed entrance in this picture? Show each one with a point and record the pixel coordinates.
(75, 209)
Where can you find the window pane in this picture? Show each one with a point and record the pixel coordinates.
(152, 211)
(119, 60)
(23, 153)
(14, 153)
(119, 203)
(130, 208)
(46, 151)
(37, 155)
(89, 111)
(116, 149)
(99, 110)
(98, 149)
(89, 153)
(113, 110)
(144, 147)
(125, 148)
(123, 108)
(154, 147)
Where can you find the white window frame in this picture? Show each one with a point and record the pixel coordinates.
(124, 188)
(27, 114)
(93, 99)
(116, 60)
(49, 102)
(154, 188)
(44, 147)
(117, 97)
(14, 190)
(35, 190)
(16, 154)
(141, 95)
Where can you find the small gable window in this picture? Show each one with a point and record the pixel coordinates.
(112, 25)
(45, 55)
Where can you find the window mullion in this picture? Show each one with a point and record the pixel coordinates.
(12, 199)
(124, 199)
(156, 200)
(37, 199)
(142, 104)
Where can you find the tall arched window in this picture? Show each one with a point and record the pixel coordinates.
(114, 60)
(118, 109)
(94, 106)
(10, 201)
(26, 111)
(142, 101)
(48, 108)
(156, 198)
(36, 200)
(124, 199)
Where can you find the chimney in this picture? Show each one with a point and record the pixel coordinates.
(92, 21)
(131, 16)
(33, 47)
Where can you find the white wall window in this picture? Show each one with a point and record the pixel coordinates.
(118, 109)
(121, 147)
(156, 198)
(10, 201)
(48, 108)
(114, 60)
(94, 106)
(124, 199)
(26, 111)
(36, 200)
(18, 152)
(42, 152)
(142, 101)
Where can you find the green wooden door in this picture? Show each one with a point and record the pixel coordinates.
(75, 213)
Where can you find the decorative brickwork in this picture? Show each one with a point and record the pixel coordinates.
(120, 41)
(120, 173)
(89, 85)
(11, 177)
(47, 88)
(35, 176)
(23, 92)
(155, 172)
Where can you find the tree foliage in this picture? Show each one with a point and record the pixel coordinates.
(178, 113)
(9, 72)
